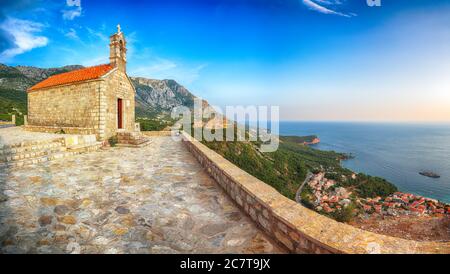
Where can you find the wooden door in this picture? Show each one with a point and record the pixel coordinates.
(119, 113)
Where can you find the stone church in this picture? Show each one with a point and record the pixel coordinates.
(94, 100)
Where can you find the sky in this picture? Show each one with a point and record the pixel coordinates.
(327, 60)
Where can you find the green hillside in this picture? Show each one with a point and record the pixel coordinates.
(14, 81)
(287, 168)
(13, 98)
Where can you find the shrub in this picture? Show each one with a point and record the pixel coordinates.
(306, 197)
(19, 120)
(345, 214)
(113, 141)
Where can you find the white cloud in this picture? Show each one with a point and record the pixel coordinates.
(157, 66)
(97, 34)
(71, 14)
(72, 34)
(72, 10)
(95, 60)
(320, 6)
(160, 68)
(23, 36)
(73, 3)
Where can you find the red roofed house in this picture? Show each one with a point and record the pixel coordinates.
(95, 100)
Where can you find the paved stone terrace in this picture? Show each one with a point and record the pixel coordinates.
(155, 199)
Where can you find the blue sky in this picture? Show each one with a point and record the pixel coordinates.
(316, 59)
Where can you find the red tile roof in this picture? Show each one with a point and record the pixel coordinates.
(75, 76)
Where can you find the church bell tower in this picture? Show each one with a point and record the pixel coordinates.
(118, 50)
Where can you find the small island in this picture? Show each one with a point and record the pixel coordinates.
(430, 174)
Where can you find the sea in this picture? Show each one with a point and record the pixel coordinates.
(394, 151)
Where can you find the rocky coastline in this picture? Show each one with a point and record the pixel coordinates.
(314, 141)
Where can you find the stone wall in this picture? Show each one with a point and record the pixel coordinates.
(83, 108)
(157, 133)
(56, 129)
(4, 123)
(116, 86)
(297, 228)
(68, 106)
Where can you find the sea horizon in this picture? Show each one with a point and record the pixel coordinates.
(352, 121)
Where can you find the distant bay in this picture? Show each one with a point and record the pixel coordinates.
(394, 151)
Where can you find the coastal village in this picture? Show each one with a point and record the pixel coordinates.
(328, 198)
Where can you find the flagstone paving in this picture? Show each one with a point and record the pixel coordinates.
(155, 199)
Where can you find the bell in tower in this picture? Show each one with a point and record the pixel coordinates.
(118, 50)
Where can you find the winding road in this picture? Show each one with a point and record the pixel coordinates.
(298, 198)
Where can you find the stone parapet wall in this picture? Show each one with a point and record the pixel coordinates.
(297, 228)
(6, 123)
(56, 129)
(157, 133)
